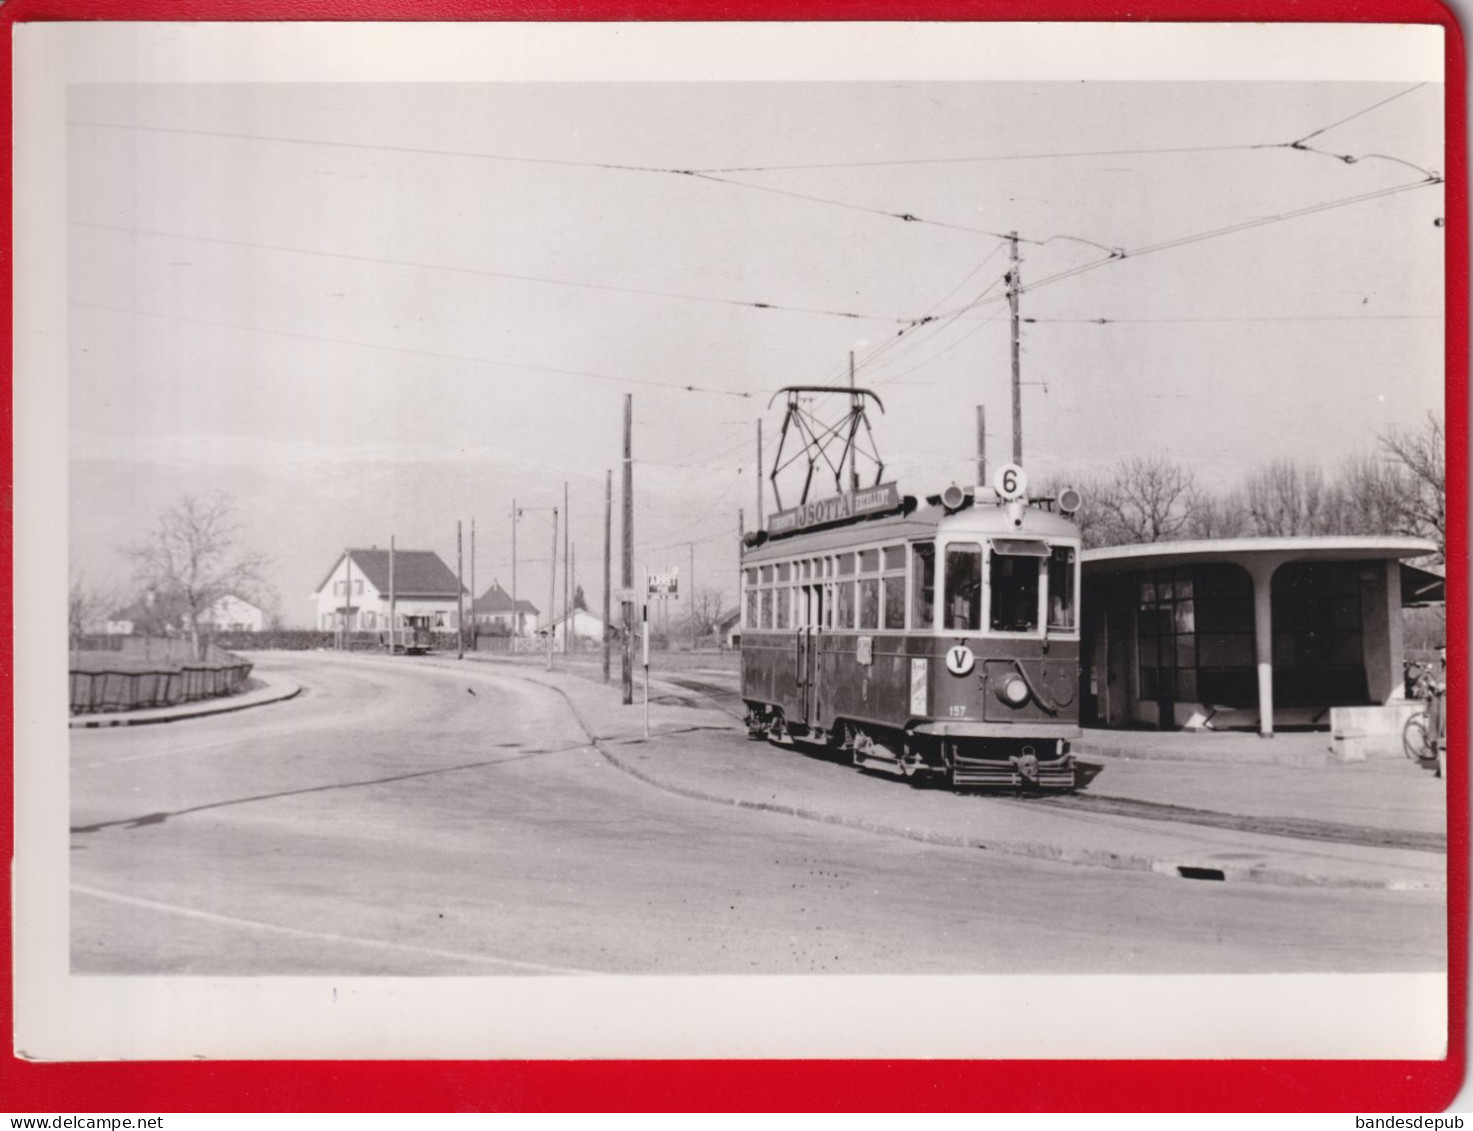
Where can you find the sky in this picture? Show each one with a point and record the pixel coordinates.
(372, 310)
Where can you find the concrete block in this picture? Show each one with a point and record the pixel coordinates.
(1362, 733)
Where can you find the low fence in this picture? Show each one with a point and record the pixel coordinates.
(129, 691)
(145, 672)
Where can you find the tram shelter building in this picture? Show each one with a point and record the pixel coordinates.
(1243, 632)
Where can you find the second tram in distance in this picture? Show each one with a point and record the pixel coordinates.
(937, 640)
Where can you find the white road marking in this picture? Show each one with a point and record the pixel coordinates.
(320, 936)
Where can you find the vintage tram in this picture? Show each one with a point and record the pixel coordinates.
(934, 639)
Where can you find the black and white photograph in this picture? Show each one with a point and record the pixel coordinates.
(784, 540)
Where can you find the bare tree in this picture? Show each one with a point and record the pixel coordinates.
(87, 607)
(705, 611)
(1217, 516)
(1371, 497)
(193, 558)
(1421, 456)
(1285, 498)
(1147, 499)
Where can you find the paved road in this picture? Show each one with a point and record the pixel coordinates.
(403, 819)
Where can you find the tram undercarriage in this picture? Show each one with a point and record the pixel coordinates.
(1019, 764)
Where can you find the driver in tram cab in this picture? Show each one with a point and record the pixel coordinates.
(963, 600)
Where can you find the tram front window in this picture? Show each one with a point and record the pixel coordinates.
(923, 583)
(963, 588)
(1014, 593)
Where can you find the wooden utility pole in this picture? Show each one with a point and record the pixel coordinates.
(608, 566)
(393, 601)
(573, 575)
(626, 615)
(459, 595)
(1015, 280)
(348, 601)
(474, 640)
(981, 445)
(692, 592)
(853, 435)
(552, 590)
(516, 619)
(759, 474)
(567, 564)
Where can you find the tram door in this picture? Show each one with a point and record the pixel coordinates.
(811, 613)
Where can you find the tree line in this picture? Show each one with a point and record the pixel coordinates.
(1399, 488)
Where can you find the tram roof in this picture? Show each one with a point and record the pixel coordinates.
(985, 521)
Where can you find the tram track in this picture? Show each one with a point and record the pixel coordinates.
(1296, 828)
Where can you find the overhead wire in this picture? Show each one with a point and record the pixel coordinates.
(405, 350)
(485, 273)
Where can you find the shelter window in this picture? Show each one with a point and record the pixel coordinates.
(1061, 588)
(964, 587)
(923, 586)
(1167, 631)
(1014, 568)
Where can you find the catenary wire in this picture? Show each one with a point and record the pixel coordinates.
(483, 273)
(674, 387)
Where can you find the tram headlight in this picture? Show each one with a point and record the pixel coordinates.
(1013, 691)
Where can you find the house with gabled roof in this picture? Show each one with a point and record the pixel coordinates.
(357, 592)
(495, 607)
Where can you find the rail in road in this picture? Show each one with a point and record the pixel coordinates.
(727, 699)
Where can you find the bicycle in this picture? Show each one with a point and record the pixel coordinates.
(1421, 737)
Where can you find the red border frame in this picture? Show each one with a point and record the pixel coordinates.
(767, 1085)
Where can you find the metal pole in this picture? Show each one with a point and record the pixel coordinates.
(567, 565)
(608, 548)
(459, 593)
(759, 474)
(1015, 280)
(645, 627)
(573, 584)
(981, 445)
(474, 641)
(552, 590)
(516, 618)
(627, 608)
(691, 596)
(393, 601)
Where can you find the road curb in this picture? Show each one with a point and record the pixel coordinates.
(271, 695)
(1179, 867)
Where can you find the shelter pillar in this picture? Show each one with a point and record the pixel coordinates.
(1262, 572)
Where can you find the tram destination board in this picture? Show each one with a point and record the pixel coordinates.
(851, 504)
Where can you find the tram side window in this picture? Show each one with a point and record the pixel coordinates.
(923, 586)
(751, 578)
(1061, 588)
(767, 608)
(784, 598)
(964, 588)
(1014, 593)
(893, 586)
(869, 590)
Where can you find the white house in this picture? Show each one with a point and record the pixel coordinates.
(233, 614)
(495, 607)
(356, 592)
(585, 627)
